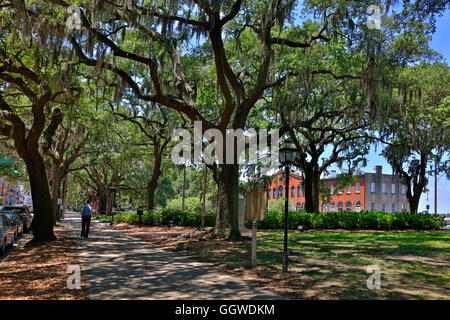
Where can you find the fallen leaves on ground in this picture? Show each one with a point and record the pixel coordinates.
(35, 271)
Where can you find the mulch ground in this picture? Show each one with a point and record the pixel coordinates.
(38, 271)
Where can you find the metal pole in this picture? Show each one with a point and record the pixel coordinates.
(184, 187)
(204, 194)
(435, 185)
(254, 229)
(286, 208)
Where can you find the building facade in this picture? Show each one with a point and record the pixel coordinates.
(369, 192)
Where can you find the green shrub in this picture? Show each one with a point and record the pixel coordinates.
(275, 220)
(168, 216)
(351, 221)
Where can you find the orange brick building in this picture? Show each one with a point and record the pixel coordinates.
(368, 193)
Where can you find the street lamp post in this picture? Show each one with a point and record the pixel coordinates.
(288, 153)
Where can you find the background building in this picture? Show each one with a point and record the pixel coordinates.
(370, 192)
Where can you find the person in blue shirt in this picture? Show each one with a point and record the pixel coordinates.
(86, 219)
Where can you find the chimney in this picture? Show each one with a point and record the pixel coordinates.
(378, 169)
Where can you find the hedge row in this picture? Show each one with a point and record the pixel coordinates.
(275, 220)
(167, 217)
(352, 221)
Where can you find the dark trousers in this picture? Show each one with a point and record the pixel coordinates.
(85, 225)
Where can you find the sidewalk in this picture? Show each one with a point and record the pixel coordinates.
(118, 266)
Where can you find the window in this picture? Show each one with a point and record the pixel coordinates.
(332, 209)
(383, 188)
(349, 188)
(268, 194)
(332, 189)
(274, 193)
(280, 192)
(340, 206)
(298, 206)
(348, 206)
(403, 207)
(393, 189)
(358, 206)
(403, 189)
(393, 207)
(340, 191)
(383, 207)
(357, 187)
(372, 206)
(324, 207)
(299, 191)
(372, 187)
(292, 192)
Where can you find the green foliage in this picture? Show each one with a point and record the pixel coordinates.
(278, 204)
(168, 216)
(352, 221)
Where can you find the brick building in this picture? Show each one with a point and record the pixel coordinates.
(370, 192)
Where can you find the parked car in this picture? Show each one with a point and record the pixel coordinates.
(7, 231)
(16, 220)
(25, 213)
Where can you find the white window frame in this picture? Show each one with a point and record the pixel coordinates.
(358, 187)
(349, 188)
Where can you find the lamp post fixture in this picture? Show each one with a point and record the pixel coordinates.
(288, 154)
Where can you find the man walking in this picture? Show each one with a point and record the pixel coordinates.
(86, 219)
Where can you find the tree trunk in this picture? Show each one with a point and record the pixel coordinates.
(153, 182)
(414, 199)
(56, 185)
(231, 188)
(316, 191)
(227, 219)
(308, 189)
(102, 205)
(42, 203)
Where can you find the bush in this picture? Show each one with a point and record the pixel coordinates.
(168, 216)
(351, 221)
(275, 220)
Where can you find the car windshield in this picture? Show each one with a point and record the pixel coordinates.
(15, 209)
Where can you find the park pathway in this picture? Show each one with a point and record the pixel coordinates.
(118, 266)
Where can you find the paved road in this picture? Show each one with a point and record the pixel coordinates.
(119, 266)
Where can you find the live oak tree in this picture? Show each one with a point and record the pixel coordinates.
(70, 138)
(117, 36)
(327, 120)
(417, 132)
(35, 78)
(165, 31)
(156, 125)
(110, 156)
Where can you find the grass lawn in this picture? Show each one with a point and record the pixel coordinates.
(329, 264)
(414, 265)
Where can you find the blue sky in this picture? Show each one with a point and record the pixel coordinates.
(440, 43)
